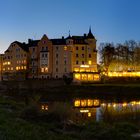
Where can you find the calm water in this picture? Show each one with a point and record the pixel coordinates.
(87, 109)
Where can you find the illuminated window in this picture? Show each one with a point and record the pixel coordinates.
(22, 67)
(8, 63)
(77, 76)
(96, 102)
(65, 48)
(42, 69)
(25, 67)
(89, 114)
(90, 102)
(11, 68)
(8, 68)
(3, 69)
(17, 68)
(76, 69)
(89, 62)
(83, 103)
(77, 103)
(46, 69)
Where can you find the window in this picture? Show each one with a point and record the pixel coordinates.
(65, 69)
(83, 48)
(57, 55)
(43, 55)
(83, 55)
(56, 62)
(89, 55)
(57, 48)
(76, 48)
(46, 55)
(56, 69)
(33, 49)
(76, 55)
(65, 62)
(82, 62)
(42, 48)
(77, 62)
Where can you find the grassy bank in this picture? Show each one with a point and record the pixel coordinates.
(19, 121)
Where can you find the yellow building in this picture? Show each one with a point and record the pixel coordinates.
(84, 61)
(62, 58)
(45, 61)
(53, 58)
(15, 61)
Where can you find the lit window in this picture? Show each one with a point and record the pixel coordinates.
(11, 68)
(90, 102)
(65, 48)
(25, 67)
(89, 114)
(89, 62)
(77, 103)
(17, 68)
(42, 69)
(83, 103)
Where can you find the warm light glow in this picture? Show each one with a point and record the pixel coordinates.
(84, 66)
(77, 103)
(89, 62)
(84, 110)
(89, 114)
(89, 102)
(124, 104)
(76, 69)
(96, 102)
(124, 74)
(65, 48)
(83, 103)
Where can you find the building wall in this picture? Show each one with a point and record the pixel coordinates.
(45, 60)
(61, 60)
(15, 62)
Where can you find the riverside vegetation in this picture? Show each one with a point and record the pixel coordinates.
(21, 118)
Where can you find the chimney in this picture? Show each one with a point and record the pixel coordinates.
(29, 41)
(62, 37)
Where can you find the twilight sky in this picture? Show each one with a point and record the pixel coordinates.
(111, 20)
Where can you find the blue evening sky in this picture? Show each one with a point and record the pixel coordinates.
(111, 20)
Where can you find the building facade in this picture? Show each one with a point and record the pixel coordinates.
(52, 58)
(15, 61)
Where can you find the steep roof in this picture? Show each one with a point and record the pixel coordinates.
(23, 45)
(32, 43)
(59, 41)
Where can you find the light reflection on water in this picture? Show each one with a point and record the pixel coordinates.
(95, 109)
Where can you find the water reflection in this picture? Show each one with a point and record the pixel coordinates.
(81, 110)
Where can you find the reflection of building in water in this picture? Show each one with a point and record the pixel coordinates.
(86, 108)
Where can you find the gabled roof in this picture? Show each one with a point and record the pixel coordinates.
(58, 41)
(32, 43)
(23, 45)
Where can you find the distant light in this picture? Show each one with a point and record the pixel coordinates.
(84, 66)
(84, 111)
